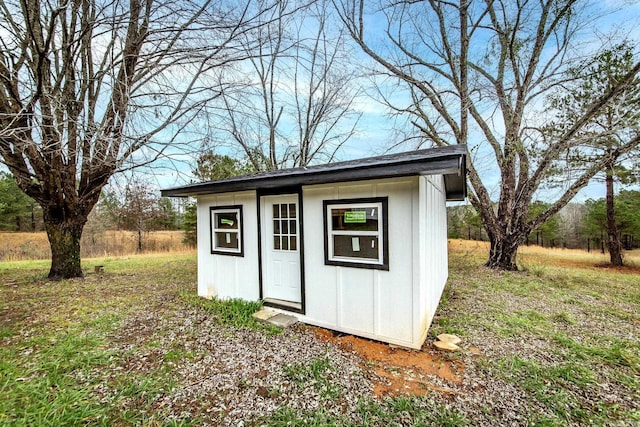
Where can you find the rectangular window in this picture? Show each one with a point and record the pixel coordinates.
(356, 233)
(285, 229)
(226, 230)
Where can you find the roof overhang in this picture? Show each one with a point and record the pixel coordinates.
(448, 161)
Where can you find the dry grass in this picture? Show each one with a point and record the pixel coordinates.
(31, 246)
(537, 256)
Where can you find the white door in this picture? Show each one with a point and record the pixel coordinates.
(281, 248)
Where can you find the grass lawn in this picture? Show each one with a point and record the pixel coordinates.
(555, 344)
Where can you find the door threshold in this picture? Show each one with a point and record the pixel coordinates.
(282, 304)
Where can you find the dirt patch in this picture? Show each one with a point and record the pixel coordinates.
(402, 371)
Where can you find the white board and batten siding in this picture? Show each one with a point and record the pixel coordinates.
(224, 276)
(394, 306)
(432, 261)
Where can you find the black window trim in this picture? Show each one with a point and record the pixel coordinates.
(384, 201)
(220, 251)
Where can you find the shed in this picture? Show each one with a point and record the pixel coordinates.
(358, 247)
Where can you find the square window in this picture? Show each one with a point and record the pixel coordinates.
(356, 233)
(226, 230)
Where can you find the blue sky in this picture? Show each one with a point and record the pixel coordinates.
(377, 130)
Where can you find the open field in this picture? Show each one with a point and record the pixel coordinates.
(555, 344)
(26, 246)
(533, 257)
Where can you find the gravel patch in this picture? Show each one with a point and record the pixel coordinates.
(234, 376)
(231, 375)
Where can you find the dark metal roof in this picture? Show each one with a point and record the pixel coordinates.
(449, 161)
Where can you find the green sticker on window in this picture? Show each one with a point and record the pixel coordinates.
(226, 221)
(355, 217)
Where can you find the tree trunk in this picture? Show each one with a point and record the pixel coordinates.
(64, 238)
(615, 248)
(503, 253)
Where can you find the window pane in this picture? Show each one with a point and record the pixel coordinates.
(276, 242)
(276, 226)
(292, 226)
(276, 211)
(355, 219)
(285, 227)
(226, 240)
(356, 246)
(285, 243)
(283, 211)
(292, 210)
(293, 243)
(226, 220)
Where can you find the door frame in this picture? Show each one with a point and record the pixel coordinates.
(297, 190)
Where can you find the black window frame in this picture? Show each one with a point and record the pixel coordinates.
(381, 264)
(240, 230)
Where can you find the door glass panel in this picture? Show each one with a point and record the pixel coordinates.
(284, 229)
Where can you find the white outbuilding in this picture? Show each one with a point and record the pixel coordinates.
(358, 247)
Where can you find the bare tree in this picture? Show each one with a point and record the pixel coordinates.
(139, 209)
(478, 73)
(296, 105)
(90, 88)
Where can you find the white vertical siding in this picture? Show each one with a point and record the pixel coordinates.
(226, 276)
(371, 303)
(395, 306)
(433, 248)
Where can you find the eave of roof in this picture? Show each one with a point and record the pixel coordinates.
(449, 161)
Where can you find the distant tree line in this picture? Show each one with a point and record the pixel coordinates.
(576, 226)
(136, 207)
(18, 212)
